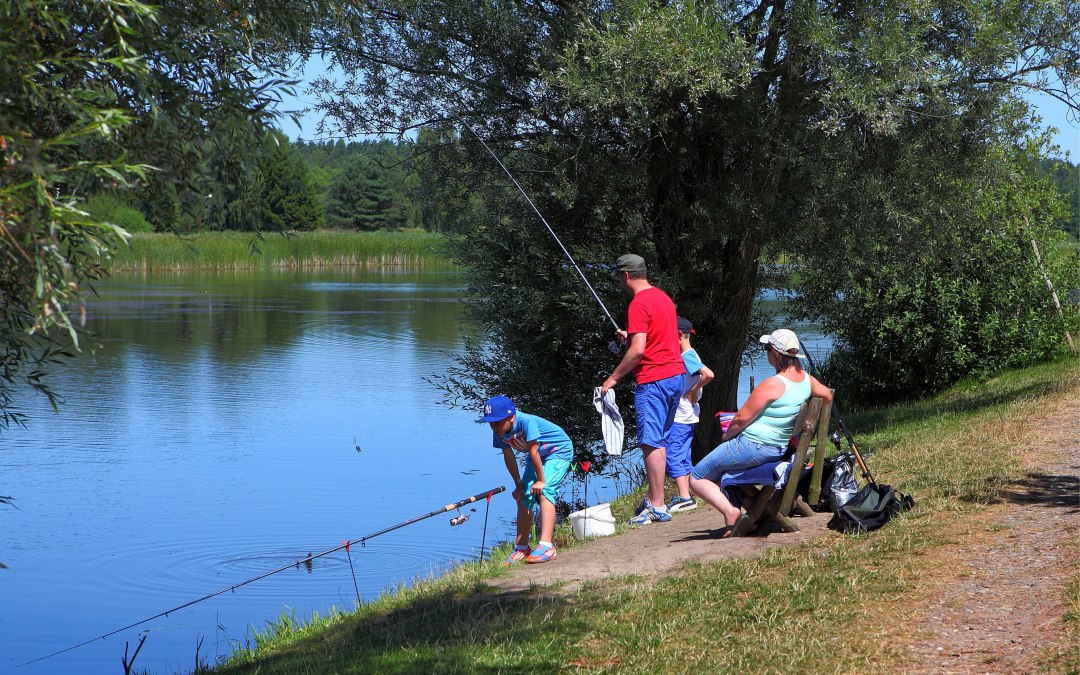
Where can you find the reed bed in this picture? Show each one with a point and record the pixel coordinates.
(244, 250)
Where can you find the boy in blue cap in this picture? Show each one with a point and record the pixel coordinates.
(550, 456)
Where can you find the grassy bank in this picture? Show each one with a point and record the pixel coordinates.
(836, 604)
(240, 250)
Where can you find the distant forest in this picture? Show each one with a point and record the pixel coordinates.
(362, 186)
(1066, 177)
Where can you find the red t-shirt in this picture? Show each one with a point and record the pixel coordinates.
(652, 312)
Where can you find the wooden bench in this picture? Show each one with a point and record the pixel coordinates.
(765, 503)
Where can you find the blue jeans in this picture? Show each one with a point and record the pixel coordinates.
(655, 404)
(734, 455)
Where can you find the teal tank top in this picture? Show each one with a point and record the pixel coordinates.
(776, 422)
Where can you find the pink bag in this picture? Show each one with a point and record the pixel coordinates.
(724, 418)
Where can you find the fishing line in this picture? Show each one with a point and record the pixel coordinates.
(541, 216)
(483, 539)
(353, 571)
(292, 565)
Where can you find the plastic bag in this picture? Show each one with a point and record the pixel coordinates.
(841, 485)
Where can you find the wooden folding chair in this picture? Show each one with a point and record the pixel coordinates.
(765, 501)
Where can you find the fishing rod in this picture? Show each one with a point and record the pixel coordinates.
(292, 565)
(541, 216)
(843, 426)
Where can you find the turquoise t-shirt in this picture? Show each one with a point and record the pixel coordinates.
(551, 440)
(776, 422)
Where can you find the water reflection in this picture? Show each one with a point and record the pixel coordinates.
(213, 437)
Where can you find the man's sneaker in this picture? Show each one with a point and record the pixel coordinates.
(641, 507)
(542, 553)
(678, 504)
(651, 514)
(517, 555)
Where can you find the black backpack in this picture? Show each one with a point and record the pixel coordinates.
(870, 508)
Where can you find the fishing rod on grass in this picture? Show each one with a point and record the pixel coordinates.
(456, 506)
(843, 428)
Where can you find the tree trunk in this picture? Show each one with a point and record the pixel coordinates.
(722, 339)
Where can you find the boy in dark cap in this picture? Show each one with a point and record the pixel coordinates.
(679, 465)
(550, 456)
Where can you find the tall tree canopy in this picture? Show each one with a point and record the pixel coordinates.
(705, 137)
(108, 94)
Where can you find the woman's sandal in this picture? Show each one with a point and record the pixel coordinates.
(729, 531)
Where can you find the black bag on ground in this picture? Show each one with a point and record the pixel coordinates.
(870, 508)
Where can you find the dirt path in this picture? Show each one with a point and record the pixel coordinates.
(656, 549)
(999, 608)
(990, 602)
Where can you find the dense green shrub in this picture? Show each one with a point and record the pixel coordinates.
(940, 284)
(110, 209)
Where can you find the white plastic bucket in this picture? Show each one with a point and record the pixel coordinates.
(595, 521)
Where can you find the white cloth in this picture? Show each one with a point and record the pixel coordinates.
(687, 412)
(611, 422)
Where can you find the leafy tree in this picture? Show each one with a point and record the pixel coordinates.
(94, 93)
(442, 193)
(706, 137)
(160, 202)
(361, 198)
(1066, 178)
(288, 200)
(945, 287)
(234, 186)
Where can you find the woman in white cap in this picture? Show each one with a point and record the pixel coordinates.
(761, 428)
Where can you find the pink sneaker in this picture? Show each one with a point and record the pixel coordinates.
(542, 553)
(518, 554)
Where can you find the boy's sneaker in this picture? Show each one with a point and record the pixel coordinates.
(651, 514)
(542, 553)
(517, 555)
(678, 504)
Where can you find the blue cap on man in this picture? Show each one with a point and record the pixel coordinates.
(497, 409)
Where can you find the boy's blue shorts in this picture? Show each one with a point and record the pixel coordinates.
(678, 450)
(655, 404)
(555, 470)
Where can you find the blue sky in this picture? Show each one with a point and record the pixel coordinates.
(1054, 114)
(1057, 114)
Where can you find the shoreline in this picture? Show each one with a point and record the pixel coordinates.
(777, 601)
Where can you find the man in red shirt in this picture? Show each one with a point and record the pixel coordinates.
(653, 355)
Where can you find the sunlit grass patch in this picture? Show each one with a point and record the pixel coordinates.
(967, 444)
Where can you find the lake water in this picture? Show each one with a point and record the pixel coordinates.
(225, 426)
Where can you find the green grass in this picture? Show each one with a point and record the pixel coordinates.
(240, 250)
(836, 604)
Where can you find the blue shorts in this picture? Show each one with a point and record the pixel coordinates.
(678, 450)
(655, 404)
(555, 470)
(734, 455)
